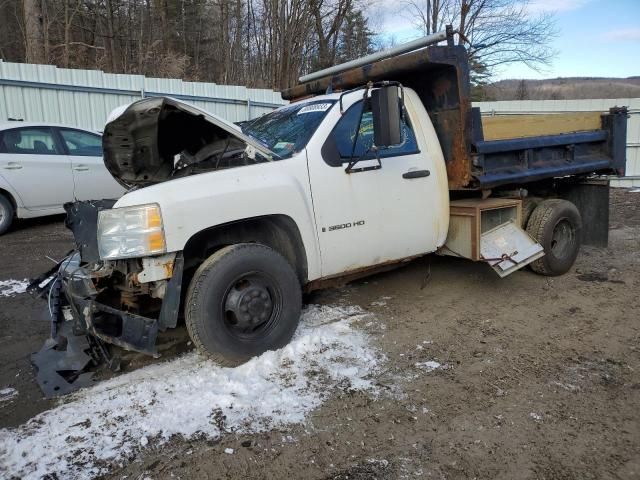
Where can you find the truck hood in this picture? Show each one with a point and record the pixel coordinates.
(156, 139)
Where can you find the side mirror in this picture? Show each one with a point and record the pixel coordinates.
(385, 108)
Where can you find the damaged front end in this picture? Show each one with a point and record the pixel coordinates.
(120, 286)
(93, 302)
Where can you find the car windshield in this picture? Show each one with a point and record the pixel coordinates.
(287, 130)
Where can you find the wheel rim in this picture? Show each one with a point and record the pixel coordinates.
(251, 305)
(563, 239)
(3, 214)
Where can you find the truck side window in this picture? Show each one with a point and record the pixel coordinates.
(345, 130)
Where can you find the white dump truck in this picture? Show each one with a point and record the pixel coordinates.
(369, 166)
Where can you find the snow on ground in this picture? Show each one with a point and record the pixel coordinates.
(7, 394)
(9, 288)
(428, 366)
(111, 422)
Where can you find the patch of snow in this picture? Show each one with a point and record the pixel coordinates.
(191, 396)
(9, 288)
(228, 451)
(7, 394)
(536, 416)
(428, 366)
(378, 303)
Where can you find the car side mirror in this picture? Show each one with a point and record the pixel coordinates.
(385, 109)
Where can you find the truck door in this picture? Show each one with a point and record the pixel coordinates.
(376, 216)
(35, 166)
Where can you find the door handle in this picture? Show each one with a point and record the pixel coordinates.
(416, 174)
(13, 166)
(81, 168)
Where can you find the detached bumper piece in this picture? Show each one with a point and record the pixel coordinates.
(63, 361)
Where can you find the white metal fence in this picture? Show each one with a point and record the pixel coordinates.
(632, 178)
(85, 97)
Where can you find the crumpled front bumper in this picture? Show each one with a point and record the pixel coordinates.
(126, 330)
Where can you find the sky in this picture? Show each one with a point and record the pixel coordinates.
(596, 38)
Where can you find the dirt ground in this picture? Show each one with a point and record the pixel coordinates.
(541, 376)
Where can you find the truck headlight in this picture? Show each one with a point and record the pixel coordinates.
(130, 232)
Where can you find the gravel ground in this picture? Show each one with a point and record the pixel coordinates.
(538, 378)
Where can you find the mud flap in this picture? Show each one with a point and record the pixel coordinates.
(507, 248)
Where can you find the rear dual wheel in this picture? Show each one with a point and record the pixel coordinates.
(243, 300)
(556, 225)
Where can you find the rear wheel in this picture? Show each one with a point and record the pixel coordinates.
(243, 300)
(6, 214)
(529, 204)
(556, 225)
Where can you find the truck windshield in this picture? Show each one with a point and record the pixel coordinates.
(287, 130)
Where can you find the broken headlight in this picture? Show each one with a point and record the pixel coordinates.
(130, 232)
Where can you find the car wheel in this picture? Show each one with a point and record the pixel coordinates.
(6, 214)
(243, 300)
(556, 225)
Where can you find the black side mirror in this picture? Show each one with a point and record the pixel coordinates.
(385, 108)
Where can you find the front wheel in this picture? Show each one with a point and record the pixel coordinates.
(556, 225)
(243, 300)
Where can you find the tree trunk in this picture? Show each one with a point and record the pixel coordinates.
(33, 31)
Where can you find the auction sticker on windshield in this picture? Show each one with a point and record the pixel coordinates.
(316, 107)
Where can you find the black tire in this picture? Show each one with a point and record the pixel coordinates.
(6, 214)
(556, 225)
(529, 204)
(243, 300)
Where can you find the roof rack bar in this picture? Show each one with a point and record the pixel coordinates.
(374, 57)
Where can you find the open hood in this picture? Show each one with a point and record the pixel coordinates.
(157, 139)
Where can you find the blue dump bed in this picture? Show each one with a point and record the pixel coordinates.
(530, 159)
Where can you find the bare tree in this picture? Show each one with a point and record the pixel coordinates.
(497, 32)
(261, 43)
(522, 93)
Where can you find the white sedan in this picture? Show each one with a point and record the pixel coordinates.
(44, 166)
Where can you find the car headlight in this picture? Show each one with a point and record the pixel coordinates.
(130, 232)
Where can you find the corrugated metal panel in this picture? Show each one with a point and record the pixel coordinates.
(590, 105)
(85, 97)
